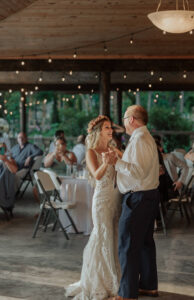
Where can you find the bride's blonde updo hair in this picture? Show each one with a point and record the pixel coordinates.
(94, 129)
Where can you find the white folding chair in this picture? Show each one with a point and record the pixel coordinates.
(65, 205)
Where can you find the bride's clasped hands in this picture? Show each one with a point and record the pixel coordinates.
(110, 157)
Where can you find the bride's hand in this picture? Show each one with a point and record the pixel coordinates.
(105, 158)
(113, 157)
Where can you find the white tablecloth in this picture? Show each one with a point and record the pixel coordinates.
(82, 212)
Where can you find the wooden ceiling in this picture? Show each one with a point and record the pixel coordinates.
(58, 27)
(39, 29)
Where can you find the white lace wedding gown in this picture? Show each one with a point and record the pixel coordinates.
(100, 274)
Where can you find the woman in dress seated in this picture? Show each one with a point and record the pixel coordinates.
(61, 157)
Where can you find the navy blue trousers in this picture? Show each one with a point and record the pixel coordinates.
(137, 252)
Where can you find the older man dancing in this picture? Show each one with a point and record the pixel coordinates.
(138, 179)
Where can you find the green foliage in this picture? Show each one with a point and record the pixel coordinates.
(74, 122)
(161, 118)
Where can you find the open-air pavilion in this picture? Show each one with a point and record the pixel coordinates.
(109, 46)
(87, 46)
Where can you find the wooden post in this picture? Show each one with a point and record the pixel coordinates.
(23, 113)
(119, 107)
(105, 93)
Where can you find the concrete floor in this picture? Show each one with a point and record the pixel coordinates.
(39, 268)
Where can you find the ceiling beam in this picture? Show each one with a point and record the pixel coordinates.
(111, 65)
(87, 88)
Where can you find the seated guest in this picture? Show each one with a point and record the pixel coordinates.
(22, 156)
(24, 152)
(61, 157)
(4, 139)
(190, 155)
(80, 149)
(58, 133)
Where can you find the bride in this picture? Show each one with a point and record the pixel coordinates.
(100, 274)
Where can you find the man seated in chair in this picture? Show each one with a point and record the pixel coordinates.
(24, 152)
(22, 156)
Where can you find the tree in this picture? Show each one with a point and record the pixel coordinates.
(161, 118)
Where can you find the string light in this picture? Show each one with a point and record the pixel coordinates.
(10, 91)
(22, 63)
(180, 96)
(96, 76)
(105, 48)
(152, 73)
(191, 32)
(45, 101)
(79, 87)
(134, 93)
(129, 90)
(111, 97)
(117, 89)
(31, 92)
(184, 74)
(150, 85)
(73, 96)
(125, 76)
(75, 54)
(131, 40)
(5, 101)
(0, 106)
(157, 95)
(17, 72)
(160, 78)
(0, 94)
(22, 90)
(11, 113)
(92, 91)
(71, 73)
(38, 102)
(63, 78)
(22, 99)
(63, 99)
(40, 79)
(36, 88)
(5, 111)
(30, 104)
(50, 60)
(164, 32)
(26, 93)
(155, 101)
(137, 89)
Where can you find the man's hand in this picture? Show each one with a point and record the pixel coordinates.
(27, 162)
(177, 185)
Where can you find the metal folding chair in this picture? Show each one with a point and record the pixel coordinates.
(183, 202)
(51, 203)
(66, 205)
(25, 176)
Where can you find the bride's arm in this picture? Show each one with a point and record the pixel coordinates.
(93, 166)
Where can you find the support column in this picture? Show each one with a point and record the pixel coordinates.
(23, 113)
(105, 93)
(119, 107)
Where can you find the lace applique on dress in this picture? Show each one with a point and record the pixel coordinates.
(100, 274)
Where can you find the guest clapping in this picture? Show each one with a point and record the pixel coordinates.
(61, 157)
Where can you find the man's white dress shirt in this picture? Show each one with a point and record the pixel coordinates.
(138, 170)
